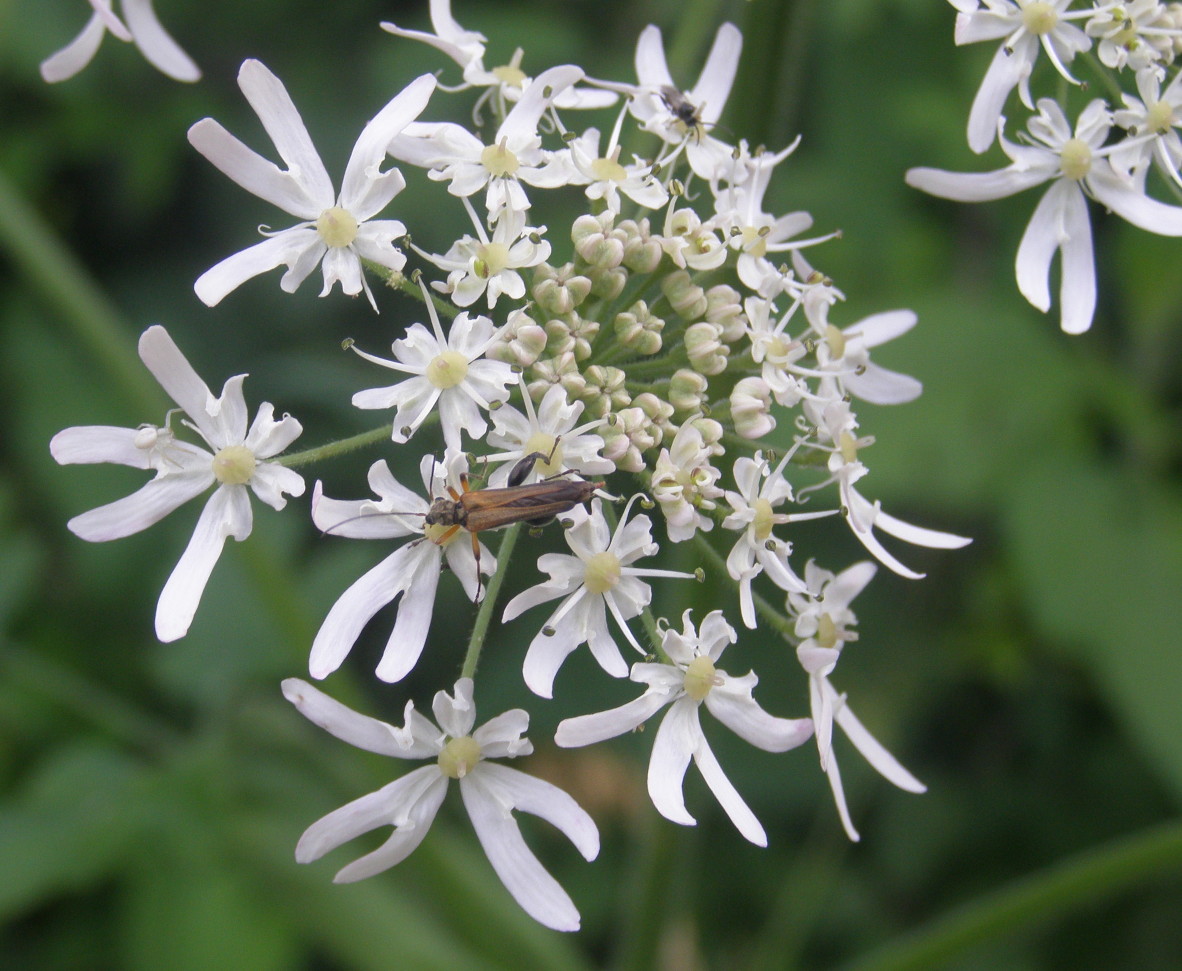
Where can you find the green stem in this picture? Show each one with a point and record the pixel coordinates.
(1070, 885)
(333, 449)
(485, 614)
(68, 289)
(775, 618)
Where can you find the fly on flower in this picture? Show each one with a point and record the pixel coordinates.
(685, 111)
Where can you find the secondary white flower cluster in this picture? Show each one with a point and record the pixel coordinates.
(1110, 154)
(679, 326)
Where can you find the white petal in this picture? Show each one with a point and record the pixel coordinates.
(589, 729)
(365, 190)
(919, 535)
(348, 725)
(652, 71)
(727, 795)
(267, 437)
(75, 55)
(1005, 71)
(141, 509)
(882, 760)
(546, 654)
(256, 174)
(834, 775)
(974, 186)
(1043, 237)
(227, 513)
(522, 120)
(677, 738)
(271, 102)
(879, 386)
(409, 833)
(86, 444)
(172, 369)
(409, 635)
(157, 46)
(732, 704)
(283, 249)
(546, 801)
(1132, 204)
(416, 794)
(714, 83)
(538, 893)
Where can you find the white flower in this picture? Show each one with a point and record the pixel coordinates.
(775, 350)
(411, 571)
(843, 356)
(758, 549)
(836, 425)
(450, 371)
(1024, 25)
(337, 231)
(1137, 34)
(684, 684)
(597, 579)
(822, 618)
(506, 82)
(490, 793)
(606, 177)
(477, 267)
(552, 431)
(674, 115)
(184, 471)
(1152, 122)
(454, 155)
(684, 483)
(142, 28)
(1073, 164)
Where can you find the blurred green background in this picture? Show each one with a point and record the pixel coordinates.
(151, 795)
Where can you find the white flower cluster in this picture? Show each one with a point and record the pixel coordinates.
(1108, 155)
(683, 326)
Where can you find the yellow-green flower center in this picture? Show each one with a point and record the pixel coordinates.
(1159, 118)
(541, 442)
(1039, 18)
(499, 160)
(826, 634)
(491, 259)
(836, 341)
(777, 350)
(459, 757)
(608, 170)
(434, 532)
(602, 572)
(1075, 160)
(509, 74)
(754, 242)
(699, 677)
(763, 520)
(234, 465)
(447, 370)
(337, 227)
(848, 446)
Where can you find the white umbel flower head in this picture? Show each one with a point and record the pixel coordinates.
(142, 28)
(234, 462)
(337, 231)
(688, 681)
(823, 619)
(490, 792)
(451, 371)
(411, 571)
(599, 578)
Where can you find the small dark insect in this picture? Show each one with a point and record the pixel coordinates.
(688, 114)
(480, 509)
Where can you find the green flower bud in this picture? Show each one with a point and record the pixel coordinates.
(724, 307)
(687, 390)
(707, 354)
(687, 298)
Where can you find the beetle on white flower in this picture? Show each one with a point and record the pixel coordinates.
(412, 571)
(490, 792)
(184, 471)
(689, 680)
(338, 231)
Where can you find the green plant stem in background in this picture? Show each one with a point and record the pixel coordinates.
(54, 272)
(333, 449)
(1081, 881)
